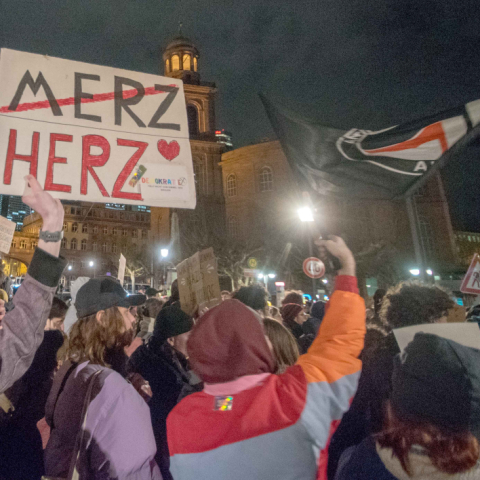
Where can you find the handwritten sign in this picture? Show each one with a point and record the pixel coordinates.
(198, 283)
(122, 264)
(90, 132)
(7, 229)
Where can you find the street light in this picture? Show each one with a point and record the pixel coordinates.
(69, 267)
(429, 272)
(415, 272)
(91, 264)
(260, 276)
(271, 275)
(305, 214)
(164, 252)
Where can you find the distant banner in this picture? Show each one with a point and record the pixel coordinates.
(93, 133)
(387, 163)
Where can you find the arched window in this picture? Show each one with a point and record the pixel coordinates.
(135, 233)
(187, 61)
(175, 63)
(232, 227)
(83, 244)
(64, 242)
(192, 117)
(84, 228)
(105, 230)
(65, 226)
(95, 229)
(23, 244)
(114, 248)
(125, 232)
(198, 171)
(266, 179)
(73, 244)
(74, 227)
(34, 245)
(232, 185)
(14, 244)
(167, 66)
(195, 63)
(104, 247)
(94, 246)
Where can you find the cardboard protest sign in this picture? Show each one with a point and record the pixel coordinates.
(7, 229)
(122, 264)
(198, 283)
(95, 133)
(467, 334)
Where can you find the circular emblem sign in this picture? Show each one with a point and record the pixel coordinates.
(252, 262)
(313, 267)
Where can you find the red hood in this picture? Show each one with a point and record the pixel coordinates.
(228, 342)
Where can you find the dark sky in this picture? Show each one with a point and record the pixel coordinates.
(347, 63)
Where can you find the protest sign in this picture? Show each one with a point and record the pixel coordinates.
(7, 229)
(95, 133)
(198, 283)
(122, 264)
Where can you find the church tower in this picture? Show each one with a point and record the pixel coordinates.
(181, 59)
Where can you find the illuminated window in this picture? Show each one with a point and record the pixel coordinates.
(14, 244)
(114, 248)
(167, 66)
(198, 171)
(73, 244)
(192, 117)
(75, 227)
(231, 186)
(175, 63)
(34, 245)
(84, 228)
(83, 245)
(104, 247)
(125, 232)
(266, 179)
(195, 64)
(23, 244)
(65, 227)
(187, 61)
(94, 246)
(232, 227)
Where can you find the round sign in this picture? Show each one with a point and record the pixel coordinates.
(313, 267)
(252, 262)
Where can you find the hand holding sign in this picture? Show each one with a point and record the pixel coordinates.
(338, 248)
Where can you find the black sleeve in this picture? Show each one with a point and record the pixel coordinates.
(46, 268)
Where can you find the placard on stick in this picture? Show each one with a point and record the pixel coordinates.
(122, 264)
(95, 133)
(198, 283)
(7, 229)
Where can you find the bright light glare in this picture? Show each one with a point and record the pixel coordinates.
(324, 280)
(415, 272)
(271, 275)
(305, 214)
(69, 267)
(260, 275)
(429, 272)
(91, 264)
(164, 252)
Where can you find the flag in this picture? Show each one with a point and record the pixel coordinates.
(389, 163)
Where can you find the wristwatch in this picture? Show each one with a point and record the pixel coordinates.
(51, 236)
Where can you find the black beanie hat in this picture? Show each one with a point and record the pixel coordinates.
(170, 322)
(438, 381)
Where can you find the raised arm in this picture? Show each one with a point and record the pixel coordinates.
(23, 326)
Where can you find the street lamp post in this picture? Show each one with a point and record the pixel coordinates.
(306, 216)
(92, 265)
(164, 254)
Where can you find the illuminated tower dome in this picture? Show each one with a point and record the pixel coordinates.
(180, 60)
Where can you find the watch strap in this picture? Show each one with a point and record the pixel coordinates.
(50, 236)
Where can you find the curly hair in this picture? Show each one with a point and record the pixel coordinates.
(450, 452)
(293, 297)
(411, 303)
(253, 296)
(92, 340)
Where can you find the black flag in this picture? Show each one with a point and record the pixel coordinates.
(388, 163)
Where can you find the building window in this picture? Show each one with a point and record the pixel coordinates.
(195, 61)
(125, 232)
(34, 245)
(95, 229)
(83, 245)
(175, 63)
(135, 233)
(84, 228)
(65, 226)
(94, 246)
(167, 66)
(75, 227)
(114, 248)
(14, 244)
(104, 247)
(232, 227)
(64, 242)
(192, 117)
(198, 172)
(187, 61)
(67, 210)
(115, 231)
(105, 230)
(73, 244)
(266, 179)
(23, 244)
(144, 234)
(232, 185)
(83, 263)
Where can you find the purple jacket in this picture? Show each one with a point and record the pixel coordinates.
(119, 436)
(23, 326)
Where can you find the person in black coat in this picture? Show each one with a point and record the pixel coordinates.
(163, 363)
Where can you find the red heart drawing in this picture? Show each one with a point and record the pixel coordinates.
(168, 150)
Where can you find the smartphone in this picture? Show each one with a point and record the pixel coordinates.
(139, 171)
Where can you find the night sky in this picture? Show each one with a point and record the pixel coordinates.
(346, 63)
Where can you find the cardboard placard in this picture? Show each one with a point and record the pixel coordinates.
(7, 229)
(198, 282)
(122, 264)
(89, 132)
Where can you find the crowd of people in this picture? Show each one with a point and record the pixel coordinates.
(130, 387)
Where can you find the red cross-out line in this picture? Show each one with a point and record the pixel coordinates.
(99, 97)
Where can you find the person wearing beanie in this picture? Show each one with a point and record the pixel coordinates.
(294, 317)
(431, 424)
(248, 422)
(317, 313)
(121, 444)
(163, 363)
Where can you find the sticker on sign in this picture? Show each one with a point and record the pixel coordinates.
(313, 267)
(471, 282)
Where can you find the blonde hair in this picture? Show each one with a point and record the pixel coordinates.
(285, 349)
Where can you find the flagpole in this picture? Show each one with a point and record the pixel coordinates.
(417, 247)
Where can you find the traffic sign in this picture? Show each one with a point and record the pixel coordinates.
(250, 272)
(252, 262)
(313, 267)
(471, 282)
